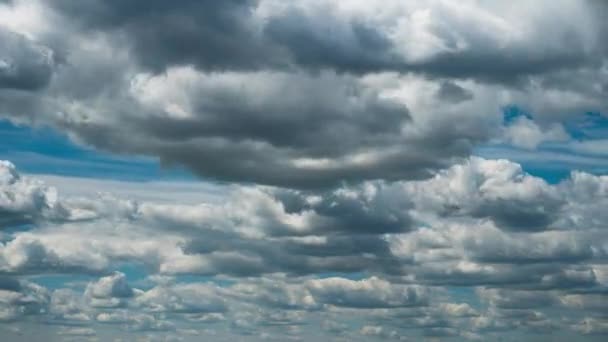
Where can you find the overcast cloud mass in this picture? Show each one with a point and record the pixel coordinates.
(356, 170)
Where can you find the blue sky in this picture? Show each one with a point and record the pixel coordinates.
(43, 150)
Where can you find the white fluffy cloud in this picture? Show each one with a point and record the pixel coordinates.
(23, 200)
(261, 250)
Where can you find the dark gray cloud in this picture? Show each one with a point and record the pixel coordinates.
(352, 211)
(262, 128)
(519, 215)
(322, 42)
(231, 254)
(229, 36)
(10, 284)
(493, 65)
(208, 34)
(452, 92)
(24, 64)
(291, 95)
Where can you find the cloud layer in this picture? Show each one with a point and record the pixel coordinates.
(276, 260)
(348, 202)
(305, 94)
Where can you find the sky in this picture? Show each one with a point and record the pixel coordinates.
(306, 170)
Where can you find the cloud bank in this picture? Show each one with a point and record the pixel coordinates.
(348, 202)
(531, 254)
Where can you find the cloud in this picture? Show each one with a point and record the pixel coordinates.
(21, 298)
(400, 90)
(366, 293)
(23, 200)
(262, 258)
(432, 38)
(378, 331)
(208, 34)
(282, 139)
(517, 299)
(523, 132)
(591, 326)
(109, 291)
(70, 307)
(111, 286)
(495, 247)
(24, 64)
(77, 332)
(275, 295)
(494, 189)
(346, 131)
(137, 322)
(191, 299)
(452, 92)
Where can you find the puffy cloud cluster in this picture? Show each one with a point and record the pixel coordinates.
(23, 200)
(21, 298)
(379, 260)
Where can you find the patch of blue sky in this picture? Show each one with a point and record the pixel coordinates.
(197, 279)
(585, 126)
(76, 281)
(588, 126)
(138, 275)
(554, 161)
(551, 164)
(42, 150)
(512, 112)
(7, 231)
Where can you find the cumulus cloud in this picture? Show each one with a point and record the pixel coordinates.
(519, 281)
(109, 291)
(525, 133)
(21, 298)
(182, 299)
(494, 189)
(367, 293)
(24, 200)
